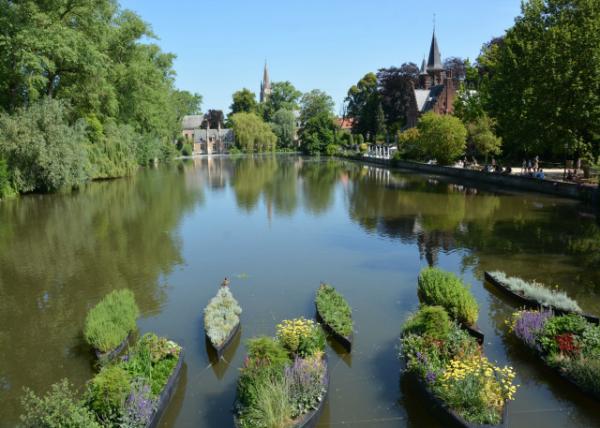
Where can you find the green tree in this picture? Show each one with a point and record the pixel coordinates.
(380, 128)
(363, 100)
(244, 100)
(442, 137)
(409, 144)
(395, 86)
(481, 137)
(543, 87)
(252, 134)
(283, 96)
(317, 129)
(284, 126)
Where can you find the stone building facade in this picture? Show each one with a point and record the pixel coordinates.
(436, 89)
(205, 140)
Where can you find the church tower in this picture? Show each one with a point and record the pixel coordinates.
(265, 85)
(435, 68)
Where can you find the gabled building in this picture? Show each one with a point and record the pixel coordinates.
(436, 90)
(204, 140)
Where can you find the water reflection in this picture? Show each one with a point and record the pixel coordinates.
(59, 254)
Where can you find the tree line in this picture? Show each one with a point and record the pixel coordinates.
(533, 91)
(83, 95)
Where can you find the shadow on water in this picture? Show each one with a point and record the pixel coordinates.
(220, 366)
(340, 350)
(174, 408)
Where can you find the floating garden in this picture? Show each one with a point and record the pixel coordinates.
(109, 323)
(284, 380)
(222, 319)
(449, 366)
(334, 313)
(567, 343)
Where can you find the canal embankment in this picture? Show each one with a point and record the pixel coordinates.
(583, 192)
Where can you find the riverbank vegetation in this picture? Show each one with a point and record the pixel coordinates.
(221, 316)
(109, 323)
(334, 310)
(437, 287)
(450, 365)
(82, 96)
(568, 343)
(537, 292)
(282, 379)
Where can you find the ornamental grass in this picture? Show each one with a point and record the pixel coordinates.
(437, 287)
(109, 323)
(537, 292)
(334, 310)
(452, 367)
(282, 378)
(221, 315)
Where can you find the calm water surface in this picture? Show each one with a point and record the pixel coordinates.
(277, 226)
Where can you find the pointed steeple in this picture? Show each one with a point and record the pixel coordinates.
(265, 85)
(423, 70)
(435, 58)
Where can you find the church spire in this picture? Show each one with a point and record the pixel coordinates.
(435, 58)
(265, 85)
(423, 69)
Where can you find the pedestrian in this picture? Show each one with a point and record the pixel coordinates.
(536, 163)
(529, 166)
(523, 167)
(493, 162)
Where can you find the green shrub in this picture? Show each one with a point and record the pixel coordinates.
(221, 315)
(334, 310)
(110, 321)
(536, 291)
(363, 147)
(269, 350)
(332, 149)
(430, 321)
(437, 287)
(301, 336)
(442, 137)
(5, 186)
(59, 408)
(554, 326)
(107, 392)
(187, 150)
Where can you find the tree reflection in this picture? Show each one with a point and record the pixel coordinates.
(59, 254)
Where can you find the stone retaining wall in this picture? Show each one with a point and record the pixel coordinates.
(586, 193)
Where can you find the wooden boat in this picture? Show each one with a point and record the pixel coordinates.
(533, 304)
(110, 355)
(310, 419)
(451, 416)
(220, 348)
(166, 393)
(345, 341)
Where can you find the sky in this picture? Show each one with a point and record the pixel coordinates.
(221, 46)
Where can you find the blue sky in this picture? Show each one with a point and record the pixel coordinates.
(221, 45)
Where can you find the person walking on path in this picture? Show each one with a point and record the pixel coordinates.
(536, 164)
(523, 167)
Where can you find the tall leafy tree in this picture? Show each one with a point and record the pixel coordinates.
(318, 127)
(252, 134)
(442, 137)
(395, 86)
(543, 86)
(283, 95)
(362, 101)
(244, 100)
(284, 126)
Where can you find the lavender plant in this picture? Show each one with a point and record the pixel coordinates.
(528, 326)
(139, 406)
(308, 383)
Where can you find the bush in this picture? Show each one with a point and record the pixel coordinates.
(443, 137)
(271, 408)
(445, 289)
(537, 292)
(409, 145)
(334, 310)
(269, 350)
(429, 321)
(5, 186)
(555, 326)
(110, 321)
(332, 149)
(108, 391)
(363, 147)
(44, 152)
(59, 408)
(187, 150)
(221, 315)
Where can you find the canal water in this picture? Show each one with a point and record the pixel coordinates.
(277, 226)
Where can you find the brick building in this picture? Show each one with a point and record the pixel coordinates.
(436, 89)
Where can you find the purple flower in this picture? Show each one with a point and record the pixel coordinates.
(139, 406)
(421, 358)
(529, 324)
(430, 377)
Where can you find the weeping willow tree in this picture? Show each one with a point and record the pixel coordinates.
(252, 134)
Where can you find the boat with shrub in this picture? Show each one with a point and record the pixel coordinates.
(222, 319)
(535, 295)
(284, 380)
(110, 324)
(438, 287)
(334, 314)
(448, 367)
(569, 344)
(136, 390)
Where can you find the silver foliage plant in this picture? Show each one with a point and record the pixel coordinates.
(221, 316)
(538, 292)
